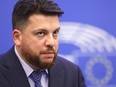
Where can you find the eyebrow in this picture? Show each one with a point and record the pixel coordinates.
(58, 28)
(42, 29)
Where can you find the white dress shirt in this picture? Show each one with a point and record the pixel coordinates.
(28, 70)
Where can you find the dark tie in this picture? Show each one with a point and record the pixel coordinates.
(36, 77)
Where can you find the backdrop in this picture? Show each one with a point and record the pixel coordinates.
(87, 37)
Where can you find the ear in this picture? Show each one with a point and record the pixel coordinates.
(17, 36)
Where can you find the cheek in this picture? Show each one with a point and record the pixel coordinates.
(36, 46)
(57, 45)
(30, 43)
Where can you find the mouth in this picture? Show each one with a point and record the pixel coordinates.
(48, 55)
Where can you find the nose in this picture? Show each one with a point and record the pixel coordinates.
(50, 41)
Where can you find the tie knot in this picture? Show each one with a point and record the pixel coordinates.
(36, 77)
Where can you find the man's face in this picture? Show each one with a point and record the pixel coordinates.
(37, 44)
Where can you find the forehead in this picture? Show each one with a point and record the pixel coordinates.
(43, 21)
(43, 18)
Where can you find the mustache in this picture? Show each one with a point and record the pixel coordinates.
(50, 49)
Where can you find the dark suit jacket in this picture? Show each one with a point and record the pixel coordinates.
(62, 74)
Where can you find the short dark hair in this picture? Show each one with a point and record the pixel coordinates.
(25, 8)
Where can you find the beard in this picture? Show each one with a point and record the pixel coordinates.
(35, 60)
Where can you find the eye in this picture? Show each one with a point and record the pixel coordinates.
(55, 33)
(40, 34)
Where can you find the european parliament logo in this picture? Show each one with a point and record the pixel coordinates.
(93, 49)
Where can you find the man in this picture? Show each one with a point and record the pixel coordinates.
(35, 34)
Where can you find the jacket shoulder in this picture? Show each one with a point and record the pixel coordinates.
(65, 62)
(72, 71)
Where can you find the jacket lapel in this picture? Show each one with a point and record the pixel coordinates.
(13, 71)
(56, 77)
